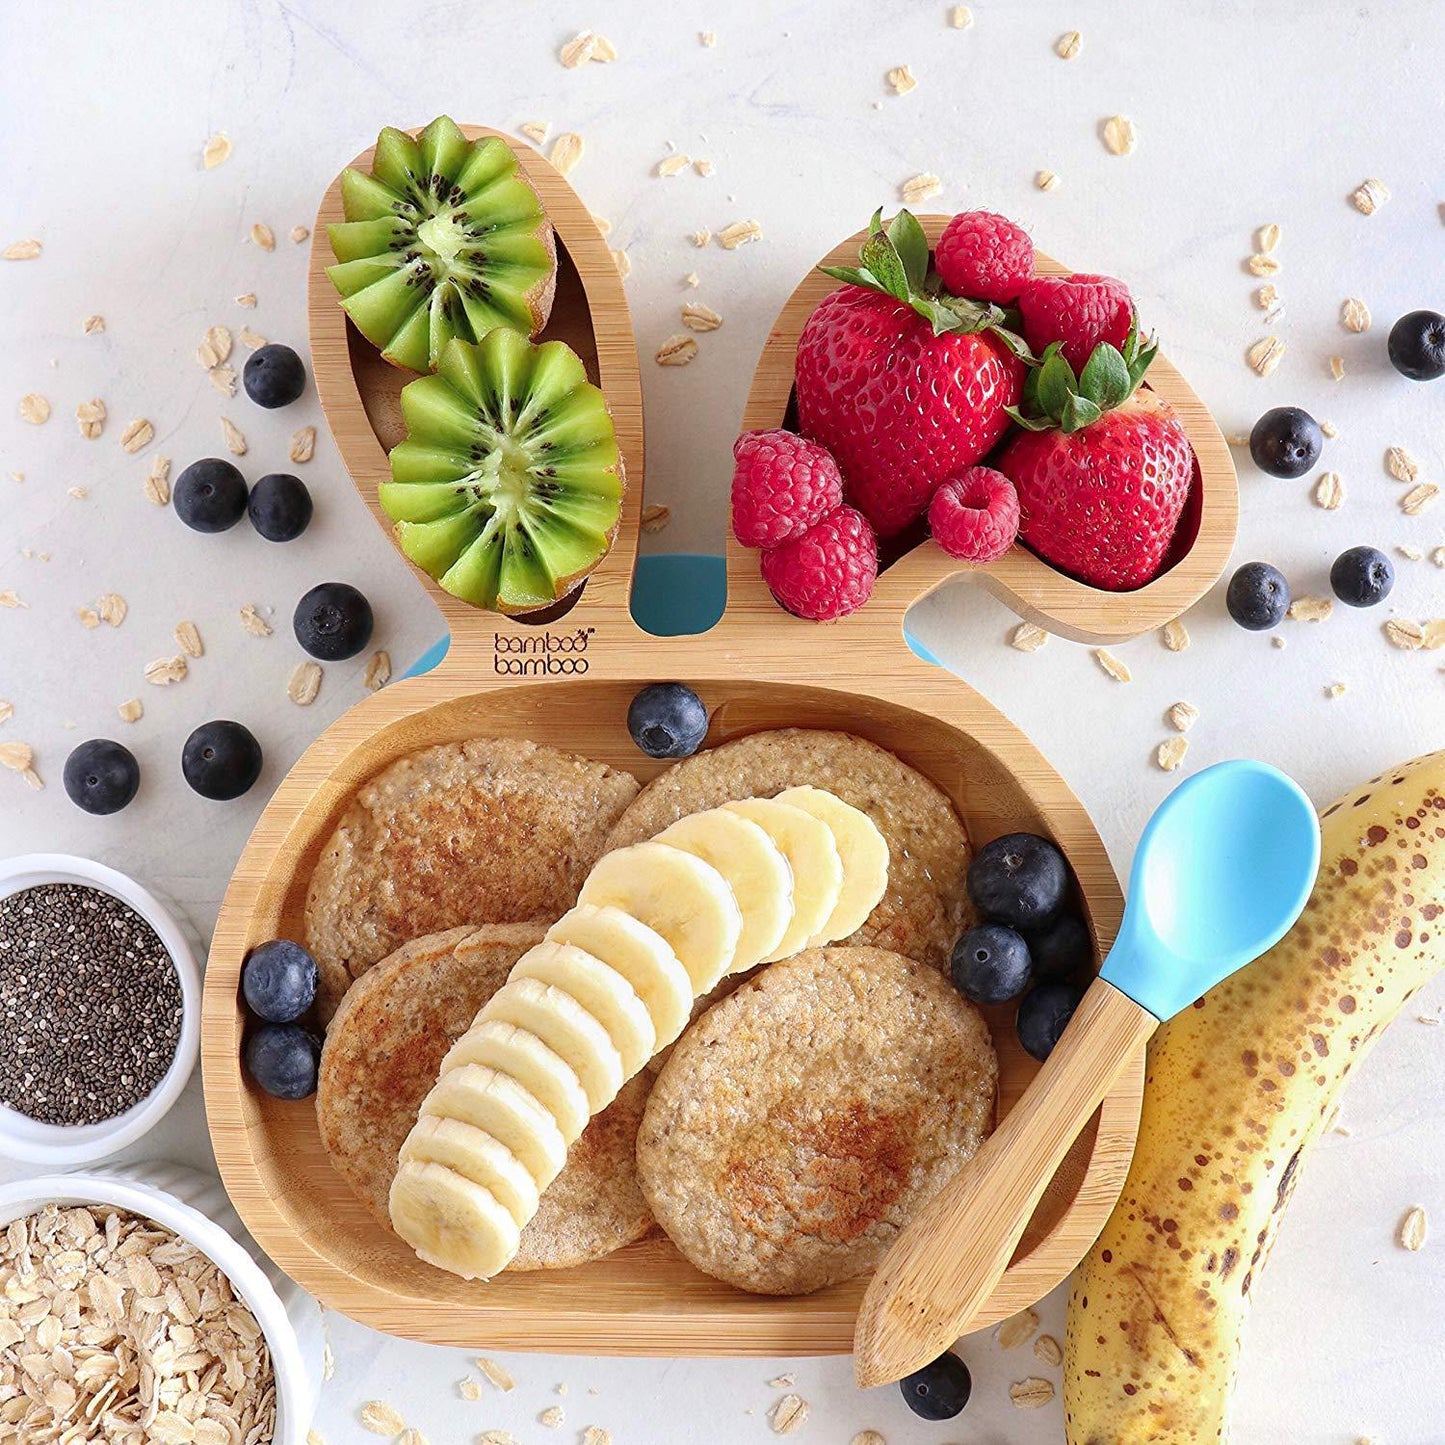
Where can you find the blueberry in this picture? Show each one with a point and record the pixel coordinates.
(667, 720)
(939, 1390)
(991, 964)
(333, 621)
(101, 776)
(1044, 1012)
(1417, 345)
(1286, 442)
(274, 376)
(1362, 576)
(1061, 948)
(1258, 596)
(1019, 879)
(283, 1059)
(278, 981)
(210, 495)
(221, 760)
(280, 507)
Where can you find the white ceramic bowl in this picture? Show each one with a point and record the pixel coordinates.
(195, 1206)
(63, 1146)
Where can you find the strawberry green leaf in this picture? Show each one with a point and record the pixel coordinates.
(1013, 342)
(911, 246)
(851, 274)
(1077, 413)
(1105, 378)
(1029, 423)
(1055, 384)
(879, 257)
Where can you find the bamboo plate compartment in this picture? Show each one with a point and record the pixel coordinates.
(759, 668)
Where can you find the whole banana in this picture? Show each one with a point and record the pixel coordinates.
(1238, 1088)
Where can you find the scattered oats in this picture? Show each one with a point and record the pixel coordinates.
(704, 168)
(10, 598)
(1335, 689)
(1418, 498)
(1266, 297)
(562, 1387)
(1018, 1329)
(22, 251)
(959, 18)
(739, 234)
(1120, 135)
(584, 46)
(783, 1382)
(34, 408)
(692, 279)
(566, 151)
(1031, 1393)
(235, 442)
(469, 1389)
(1337, 367)
(596, 1435)
(707, 39)
(1429, 1020)
(90, 417)
(1413, 1229)
(188, 639)
(1174, 635)
(248, 300)
(378, 671)
(788, 1414)
(253, 622)
(655, 517)
(1112, 665)
(137, 435)
(112, 609)
(158, 481)
(89, 618)
(676, 351)
(700, 237)
(1405, 634)
(261, 234)
(1278, 643)
(1329, 429)
(33, 780)
(534, 130)
(1329, 491)
(299, 234)
(1046, 181)
(1438, 556)
(215, 347)
(16, 756)
(603, 225)
(1265, 354)
(166, 670)
(623, 262)
(250, 340)
(901, 79)
(671, 165)
(304, 683)
(1401, 465)
(412, 1436)
(216, 150)
(917, 189)
(1267, 238)
(868, 1437)
(1410, 552)
(303, 444)
(1182, 716)
(79, 493)
(1170, 753)
(1046, 1347)
(131, 710)
(1310, 609)
(381, 1419)
(551, 1417)
(1434, 633)
(1369, 196)
(7, 711)
(1354, 314)
(93, 325)
(496, 1437)
(1068, 45)
(315, 1437)
(697, 317)
(499, 1376)
(1262, 265)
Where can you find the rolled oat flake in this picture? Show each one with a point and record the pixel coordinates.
(90, 1005)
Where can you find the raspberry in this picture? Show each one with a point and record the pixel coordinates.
(782, 485)
(975, 515)
(984, 256)
(1079, 311)
(829, 571)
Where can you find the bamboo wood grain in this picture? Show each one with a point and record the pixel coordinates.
(944, 1267)
(759, 668)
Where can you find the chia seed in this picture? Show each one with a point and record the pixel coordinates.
(90, 1005)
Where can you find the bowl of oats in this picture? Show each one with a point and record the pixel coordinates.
(100, 995)
(142, 1318)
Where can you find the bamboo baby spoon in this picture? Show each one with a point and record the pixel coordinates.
(1221, 873)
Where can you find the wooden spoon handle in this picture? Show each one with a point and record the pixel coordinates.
(944, 1266)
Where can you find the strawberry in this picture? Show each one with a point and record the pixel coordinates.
(1102, 469)
(905, 384)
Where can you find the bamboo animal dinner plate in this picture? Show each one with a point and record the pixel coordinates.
(567, 682)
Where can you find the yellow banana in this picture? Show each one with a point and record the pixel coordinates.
(1238, 1088)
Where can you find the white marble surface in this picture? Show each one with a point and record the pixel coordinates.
(1245, 115)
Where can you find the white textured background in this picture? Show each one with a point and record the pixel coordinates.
(1246, 114)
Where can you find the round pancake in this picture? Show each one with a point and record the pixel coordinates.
(383, 1051)
(803, 1122)
(491, 830)
(926, 906)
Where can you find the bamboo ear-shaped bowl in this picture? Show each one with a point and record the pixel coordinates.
(568, 683)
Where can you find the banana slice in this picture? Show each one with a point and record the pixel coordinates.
(601, 990)
(863, 849)
(475, 1155)
(684, 899)
(499, 1105)
(452, 1222)
(567, 1029)
(644, 958)
(519, 1053)
(756, 871)
(807, 843)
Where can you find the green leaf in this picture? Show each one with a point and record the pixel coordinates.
(1014, 342)
(1056, 384)
(1077, 413)
(879, 257)
(850, 274)
(1141, 363)
(1028, 423)
(911, 245)
(1105, 377)
(875, 222)
(936, 313)
(970, 316)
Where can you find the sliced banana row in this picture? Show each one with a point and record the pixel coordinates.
(613, 982)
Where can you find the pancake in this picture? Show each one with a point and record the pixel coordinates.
(491, 830)
(804, 1121)
(383, 1051)
(926, 906)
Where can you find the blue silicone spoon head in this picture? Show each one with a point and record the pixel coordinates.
(1222, 871)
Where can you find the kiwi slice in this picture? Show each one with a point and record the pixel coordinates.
(443, 237)
(508, 486)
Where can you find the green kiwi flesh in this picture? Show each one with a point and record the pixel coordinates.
(443, 237)
(508, 487)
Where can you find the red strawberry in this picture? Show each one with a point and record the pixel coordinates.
(905, 386)
(1102, 470)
